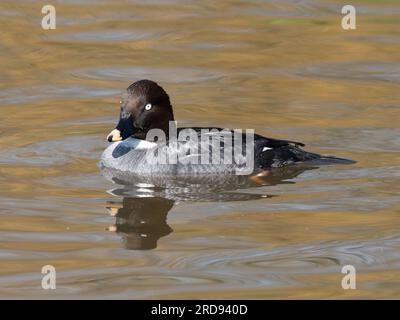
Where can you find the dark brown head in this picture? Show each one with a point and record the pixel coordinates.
(144, 106)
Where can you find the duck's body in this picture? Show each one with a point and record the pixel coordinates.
(146, 106)
(138, 156)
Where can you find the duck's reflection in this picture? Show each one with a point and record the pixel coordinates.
(141, 221)
(141, 217)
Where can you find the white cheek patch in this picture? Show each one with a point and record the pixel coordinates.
(265, 149)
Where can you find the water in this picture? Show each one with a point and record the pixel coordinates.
(283, 68)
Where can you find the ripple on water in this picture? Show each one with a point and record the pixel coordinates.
(27, 94)
(88, 181)
(107, 35)
(165, 75)
(379, 38)
(143, 282)
(299, 258)
(363, 140)
(174, 272)
(363, 70)
(55, 152)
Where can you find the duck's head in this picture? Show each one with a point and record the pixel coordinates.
(143, 106)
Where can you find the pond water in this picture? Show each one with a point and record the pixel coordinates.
(284, 68)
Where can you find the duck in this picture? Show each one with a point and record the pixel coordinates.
(147, 132)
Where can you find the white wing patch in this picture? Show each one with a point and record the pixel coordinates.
(265, 149)
(138, 144)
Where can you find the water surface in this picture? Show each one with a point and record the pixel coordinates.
(283, 68)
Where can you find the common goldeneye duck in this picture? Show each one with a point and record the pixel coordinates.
(145, 141)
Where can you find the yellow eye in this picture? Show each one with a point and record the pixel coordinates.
(148, 106)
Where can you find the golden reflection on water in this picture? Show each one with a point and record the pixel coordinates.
(286, 69)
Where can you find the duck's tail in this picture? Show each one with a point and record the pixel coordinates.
(322, 159)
